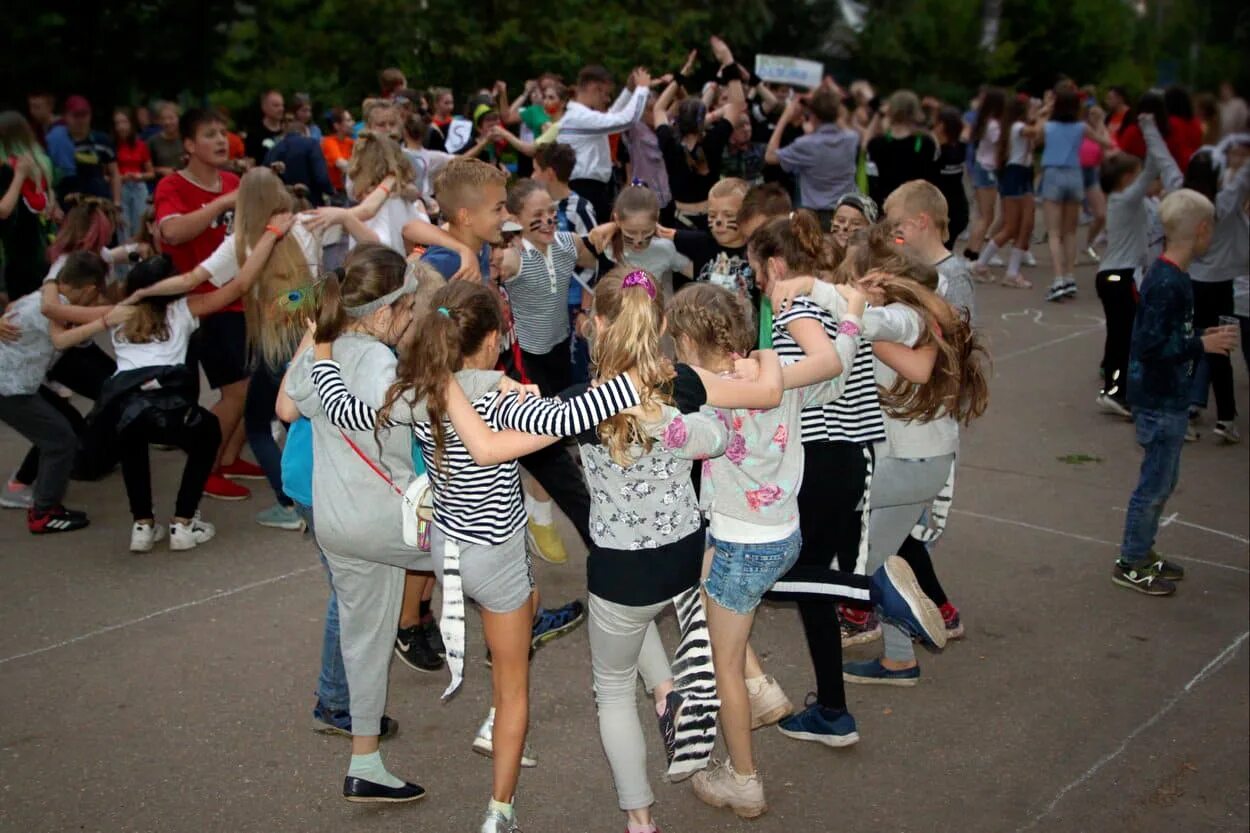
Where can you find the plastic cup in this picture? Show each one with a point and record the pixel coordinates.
(1231, 322)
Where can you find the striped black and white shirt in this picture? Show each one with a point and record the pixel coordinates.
(855, 416)
(575, 213)
(472, 503)
(539, 293)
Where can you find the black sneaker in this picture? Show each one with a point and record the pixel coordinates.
(668, 724)
(1166, 569)
(551, 623)
(435, 637)
(413, 649)
(56, 519)
(1143, 578)
(339, 722)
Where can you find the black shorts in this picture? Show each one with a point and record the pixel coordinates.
(220, 346)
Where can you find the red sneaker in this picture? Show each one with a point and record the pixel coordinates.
(950, 615)
(241, 469)
(219, 488)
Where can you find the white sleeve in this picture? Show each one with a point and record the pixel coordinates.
(223, 264)
(55, 269)
(310, 247)
(182, 316)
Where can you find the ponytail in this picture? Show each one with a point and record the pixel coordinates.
(461, 315)
(798, 240)
(331, 319)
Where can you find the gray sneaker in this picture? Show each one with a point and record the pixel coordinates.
(497, 822)
(720, 786)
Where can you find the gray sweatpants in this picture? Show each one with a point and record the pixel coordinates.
(624, 643)
(50, 432)
(901, 491)
(370, 595)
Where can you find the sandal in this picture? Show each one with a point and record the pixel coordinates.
(1017, 282)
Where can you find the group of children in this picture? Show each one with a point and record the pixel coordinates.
(771, 408)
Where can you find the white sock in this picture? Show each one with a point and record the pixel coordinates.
(500, 807)
(370, 768)
(988, 252)
(538, 510)
(1013, 265)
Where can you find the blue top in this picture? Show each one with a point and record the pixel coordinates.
(447, 261)
(1165, 347)
(303, 164)
(1063, 144)
(297, 462)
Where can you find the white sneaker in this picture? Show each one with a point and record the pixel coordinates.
(484, 743)
(769, 702)
(14, 495)
(1228, 432)
(191, 535)
(143, 536)
(1092, 254)
(720, 786)
(1111, 405)
(997, 261)
(1069, 289)
(1029, 260)
(496, 822)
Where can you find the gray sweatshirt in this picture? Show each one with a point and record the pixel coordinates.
(1230, 245)
(1128, 211)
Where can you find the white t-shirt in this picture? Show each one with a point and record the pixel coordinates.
(171, 351)
(389, 223)
(1020, 148)
(987, 148)
(223, 264)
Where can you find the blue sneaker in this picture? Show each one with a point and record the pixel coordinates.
(550, 623)
(872, 672)
(832, 727)
(328, 721)
(899, 600)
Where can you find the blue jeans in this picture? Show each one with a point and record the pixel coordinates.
(1161, 434)
(134, 204)
(742, 573)
(332, 691)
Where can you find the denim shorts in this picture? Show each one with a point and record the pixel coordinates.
(1062, 185)
(1016, 181)
(1089, 176)
(982, 178)
(742, 573)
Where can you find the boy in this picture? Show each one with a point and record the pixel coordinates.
(553, 167)
(918, 212)
(1160, 375)
(1129, 208)
(32, 411)
(193, 208)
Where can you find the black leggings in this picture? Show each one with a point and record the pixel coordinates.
(1214, 370)
(916, 554)
(830, 522)
(1118, 294)
(198, 435)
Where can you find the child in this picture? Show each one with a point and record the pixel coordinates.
(1160, 374)
(154, 395)
(952, 155)
(38, 416)
(635, 243)
(25, 197)
(537, 275)
(478, 540)
(378, 160)
(1015, 190)
(1129, 209)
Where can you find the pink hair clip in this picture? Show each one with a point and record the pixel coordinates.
(640, 278)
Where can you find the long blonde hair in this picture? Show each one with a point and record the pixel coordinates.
(629, 339)
(374, 158)
(274, 323)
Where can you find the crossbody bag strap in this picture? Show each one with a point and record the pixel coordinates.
(370, 463)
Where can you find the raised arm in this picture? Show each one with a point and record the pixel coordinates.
(659, 110)
(211, 302)
(565, 418)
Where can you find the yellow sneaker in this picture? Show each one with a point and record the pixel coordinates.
(545, 541)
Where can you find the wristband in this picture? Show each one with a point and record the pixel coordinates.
(277, 232)
(753, 79)
(850, 325)
(382, 187)
(680, 79)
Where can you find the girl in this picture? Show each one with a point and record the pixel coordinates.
(986, 132)
(1091, 156)
(375, 159)
(635, 243)
(902, 153)
(1062, 185)
(1213, 272)
(647, 538)
(952, 154)
(134, 165)
(25, 199)
(555, 97)
(536, 275)
(1015, 188)
(478, 536)
(152, 346)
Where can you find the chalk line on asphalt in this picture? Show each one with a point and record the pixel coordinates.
(1174, 518)
(1092, 540)
(1043, 345)
(1221, 659)
(154, 614)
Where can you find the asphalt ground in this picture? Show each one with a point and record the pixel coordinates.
(173, 692)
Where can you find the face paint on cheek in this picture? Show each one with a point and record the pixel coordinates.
(537, 224)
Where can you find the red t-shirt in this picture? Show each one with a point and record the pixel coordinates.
(1183, 140)
(132, 158)
(176, 195)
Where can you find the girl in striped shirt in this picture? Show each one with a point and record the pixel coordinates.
(478, 536)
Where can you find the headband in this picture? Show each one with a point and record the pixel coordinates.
(863, 204)
(639, 278)
(409, 286)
